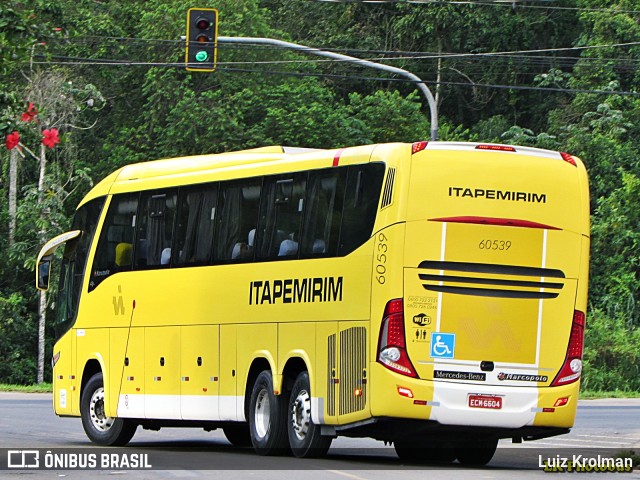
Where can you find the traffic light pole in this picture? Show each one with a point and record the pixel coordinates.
(345, 58)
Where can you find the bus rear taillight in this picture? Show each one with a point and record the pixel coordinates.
(392, 351)
(572, 367)
(418, 147)
(568, 158)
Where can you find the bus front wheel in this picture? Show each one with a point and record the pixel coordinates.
(304, 435)
(267, 418)
(101, 429)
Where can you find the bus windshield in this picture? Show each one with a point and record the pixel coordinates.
(74, 260)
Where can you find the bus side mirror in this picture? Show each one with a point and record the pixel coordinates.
(42, 273)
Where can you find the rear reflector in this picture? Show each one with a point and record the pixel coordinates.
(405, 392)
(497, 148)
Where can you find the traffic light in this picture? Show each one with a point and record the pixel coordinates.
(202, 36)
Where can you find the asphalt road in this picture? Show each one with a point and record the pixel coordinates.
(27, 422)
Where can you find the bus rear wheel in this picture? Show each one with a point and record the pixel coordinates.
(267, 418)
(101, 429)
(238, 434)
(419, 451)
(305, 439)
(476, 452)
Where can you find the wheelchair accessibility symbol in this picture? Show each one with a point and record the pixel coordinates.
(443, 345)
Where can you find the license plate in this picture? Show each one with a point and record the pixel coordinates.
(485, 401)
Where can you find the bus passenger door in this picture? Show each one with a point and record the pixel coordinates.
(228, 373)
(162, 372)
(200, 373)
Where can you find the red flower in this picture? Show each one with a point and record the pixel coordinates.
(30, 114)
(50, 137)
(12, 141)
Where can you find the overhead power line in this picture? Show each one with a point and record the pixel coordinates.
(523, 60)
(121, 63)
(496, 3)
(399, 54)
(518, 62)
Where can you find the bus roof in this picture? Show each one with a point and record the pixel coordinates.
(265, 160)
(124, 178)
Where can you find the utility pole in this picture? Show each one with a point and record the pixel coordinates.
(433, 107)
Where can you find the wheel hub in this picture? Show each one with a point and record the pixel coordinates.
(262, 414)
(301, 414)
(96, 411)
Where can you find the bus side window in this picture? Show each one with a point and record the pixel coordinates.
(321, 228)
(115, 239)
(283, 204)
(238, 208)
(362, 194)
(155, 229)
(196, 216)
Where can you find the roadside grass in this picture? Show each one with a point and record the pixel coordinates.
(593, 395)
(632, 454)
(37, 388)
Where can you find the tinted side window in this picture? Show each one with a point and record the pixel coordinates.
(195, 225)
(74, 262)
(325, 196)
(238, 208)
(362, 193)
(283, 203)
(155, 229)
(115, 245)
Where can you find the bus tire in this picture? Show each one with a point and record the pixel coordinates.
(238, 434)
(305, 439)
(414, 450)
(476, 453)
(100, 429)
(267, 418)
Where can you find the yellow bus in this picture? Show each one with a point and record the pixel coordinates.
(432, 295)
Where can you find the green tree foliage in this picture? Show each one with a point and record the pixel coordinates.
(611, 355)
(18, 351)
(16, 36)
(135, 102)
(615, 288)
(388, 117)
